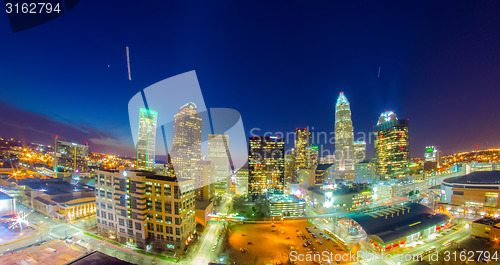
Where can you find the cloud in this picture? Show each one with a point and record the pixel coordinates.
(34, 127)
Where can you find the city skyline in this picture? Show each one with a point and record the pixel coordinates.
(416, 79)
(262, 132)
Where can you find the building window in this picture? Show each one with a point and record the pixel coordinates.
(159, 228)
(110, 216)
(158, 205)
(168, 219)
(176, 192)
(138, 226)
(177, 231)
(121, 221)
(159, 218)
(168, 207)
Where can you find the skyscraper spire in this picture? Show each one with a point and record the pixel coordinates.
(342, 100)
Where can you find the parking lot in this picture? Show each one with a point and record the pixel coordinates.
(53, 253)
(274, 243)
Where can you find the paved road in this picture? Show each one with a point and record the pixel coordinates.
(49, 229)
(204, 254)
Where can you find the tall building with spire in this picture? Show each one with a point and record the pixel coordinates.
(146, 139)
(186, 148)
(392, 146)
(344, 139)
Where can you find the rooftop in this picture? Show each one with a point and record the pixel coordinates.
(397, 222)
(51, 186)
(478, 177)
(4, 196)
(98, 258)
(201, 205)
(324, 166)
(42, 200)
(281, 198)
(488, 221)
(150, 175)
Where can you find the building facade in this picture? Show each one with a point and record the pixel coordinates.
(141, 208)
(146, 139)
(344, 139)
(218, 153)
(399, 188)
(266, 164)
(479, 190)
(432, 159)
(285, 205)
(242, 181)
(69, 156)
(364, 171)
(303, 142)
(392, 146)
(204, 180)
(359, 151)
(186, 148)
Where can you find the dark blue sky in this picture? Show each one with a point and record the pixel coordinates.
(281, 64)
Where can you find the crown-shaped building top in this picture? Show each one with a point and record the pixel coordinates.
(342, 100)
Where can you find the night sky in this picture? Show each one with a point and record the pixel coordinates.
(281, 64)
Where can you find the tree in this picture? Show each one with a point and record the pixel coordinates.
(262, 208)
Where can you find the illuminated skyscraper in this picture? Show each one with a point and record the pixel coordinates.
(203, 182)
(218, 153)
(69, 156)
(344, 137)
(290, 172)
(146, 139)
(266, 164)
(186, 148)
(302, 145)
(359, 151)
(392, 146)
(242, 180)
(432, 158)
